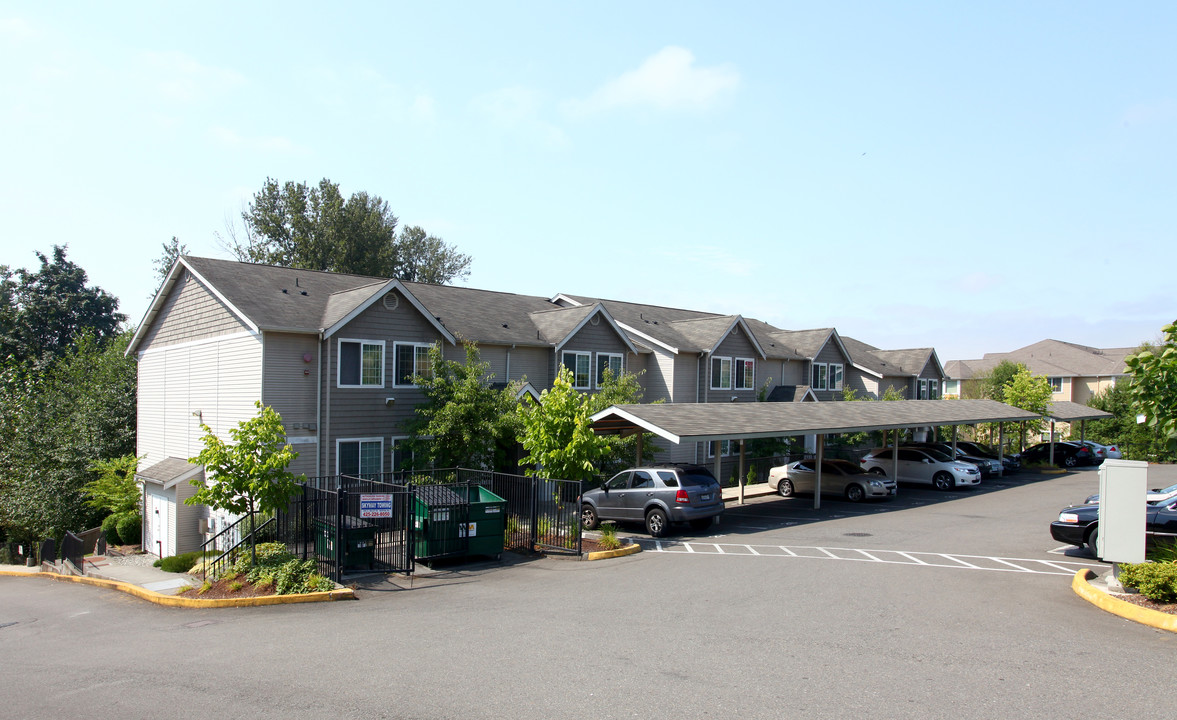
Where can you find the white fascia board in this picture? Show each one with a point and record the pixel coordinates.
(644, 336)
(645, 425)
(562, 296)
(866, 370)
(584, 321)
(739, 320)
(379, 294)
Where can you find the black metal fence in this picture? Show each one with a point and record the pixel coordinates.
(72, 552)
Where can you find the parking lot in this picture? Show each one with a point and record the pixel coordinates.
(930, 605)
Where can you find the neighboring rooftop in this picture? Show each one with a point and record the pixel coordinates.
(1053, 358)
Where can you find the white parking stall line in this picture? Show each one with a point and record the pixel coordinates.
(1012, 565)
(1026, 566)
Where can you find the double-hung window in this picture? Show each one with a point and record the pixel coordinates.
(721, 373)
(360, 456)
(835, 376)
(933, 389)
(361, 363)
(578, 363)
(726, 448)
(923, 389)
(745, 374)
(411, 359)
(1056, 384)
(819, 376)
(610, 362)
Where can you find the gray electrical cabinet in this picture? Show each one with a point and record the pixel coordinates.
(1123, 489)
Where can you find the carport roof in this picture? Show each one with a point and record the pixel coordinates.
(702, 422)
(1067, 411)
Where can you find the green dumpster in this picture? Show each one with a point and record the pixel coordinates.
(457, 520)
(359, 541)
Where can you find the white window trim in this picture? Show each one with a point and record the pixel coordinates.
(933, 389)
(923, 389)
(1052, 380)
(591, 370)
(362, 343)
(392, 451)
(825, 376)
(340, 441)
(731, 372)
(732, 448)
(395, 369)
(748, 378)
(830, 385)
(619, 356)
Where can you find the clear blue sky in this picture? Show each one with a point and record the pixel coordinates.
(975, 177)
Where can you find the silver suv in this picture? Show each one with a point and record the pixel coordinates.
(657, 496)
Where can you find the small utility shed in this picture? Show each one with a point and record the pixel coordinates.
(715, 422)
(169, 526)
(1070, 412)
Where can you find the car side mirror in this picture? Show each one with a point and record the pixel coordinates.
(928, 461)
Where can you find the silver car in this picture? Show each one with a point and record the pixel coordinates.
(838, 477)
(923, 465)
(657, 496)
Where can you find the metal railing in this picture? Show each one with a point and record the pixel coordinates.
(73, 554)
(231, 537)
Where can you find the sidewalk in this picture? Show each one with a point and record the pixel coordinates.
(732, 494)
(145, 576)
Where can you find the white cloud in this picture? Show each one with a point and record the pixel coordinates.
(182, 78)
(517, 109)
(231, 138)
(667, 80)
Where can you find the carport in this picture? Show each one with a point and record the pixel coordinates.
(1069, 412)
(716, 422)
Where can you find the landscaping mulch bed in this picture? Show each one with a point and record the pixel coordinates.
(1142, 601)
(222, 589)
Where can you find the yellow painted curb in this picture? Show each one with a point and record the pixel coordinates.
(620, 552)
(1055, 471)
(1126, 610)
(193, 602)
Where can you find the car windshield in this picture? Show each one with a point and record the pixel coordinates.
(937, 455)
(697, 479)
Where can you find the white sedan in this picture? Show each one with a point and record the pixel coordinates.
(838, 477)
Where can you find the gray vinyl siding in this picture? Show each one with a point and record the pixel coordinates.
(186, 519)
(792, 373)
(190, 312)
(901, 384)
(289, 387)
(596, 339)
(215, 382)
(365, 412)
(534, 364)
(689, 373)
(659, 376)
(636, 365)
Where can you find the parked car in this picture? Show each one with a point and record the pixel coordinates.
(989, 467)
(1066, 454)
(658, 496)
(923, 465)
(1154, 495)
(1010, 463)
(1079, 525)
(1104, 451)
(838, 477)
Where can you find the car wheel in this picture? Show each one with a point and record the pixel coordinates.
(1070, 461)
(1091, 541)
(588, 517)
(855, 493)
(656, 523)
(785, 487)
(701, 523)
(878, 471)
(942, 481)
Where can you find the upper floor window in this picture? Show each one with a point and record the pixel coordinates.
(361, 363)
(721, 373)
(820, 376)
(608, 361)
(745, 374)
(923, 389)
(411, 359)
(578, 363)
(933, 389)
(1056, 384)
(835, 376)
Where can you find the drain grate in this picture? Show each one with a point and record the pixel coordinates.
(856, 534)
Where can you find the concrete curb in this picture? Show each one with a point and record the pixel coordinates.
(630, 549)
(1126, 610)
(187, 602)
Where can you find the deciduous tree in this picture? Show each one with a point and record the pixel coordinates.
(1153, 385)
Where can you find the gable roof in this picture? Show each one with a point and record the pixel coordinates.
(1054, 358)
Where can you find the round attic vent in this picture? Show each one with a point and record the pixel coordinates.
(391, 300)
(595, 320)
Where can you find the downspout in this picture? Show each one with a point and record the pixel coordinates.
(508, 378)
(324, 419)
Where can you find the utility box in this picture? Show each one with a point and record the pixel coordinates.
(1123, 490)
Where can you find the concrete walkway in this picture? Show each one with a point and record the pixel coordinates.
(145, 576)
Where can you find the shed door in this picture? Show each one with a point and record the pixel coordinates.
(157, 540)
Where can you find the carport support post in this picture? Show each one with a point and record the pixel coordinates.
(895, 458)
(821, 455)
(718, 462)
(1052, 442)
(740, 474)
(638, 462)
(1001, 444)
(1082, 431)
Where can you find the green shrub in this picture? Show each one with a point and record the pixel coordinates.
(130, 528)
(179, 563)
(110, 527)
(1156, 580)
(609, 539)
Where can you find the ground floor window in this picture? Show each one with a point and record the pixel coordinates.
(360, 456)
